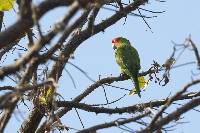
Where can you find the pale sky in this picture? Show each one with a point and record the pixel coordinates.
(96, 57)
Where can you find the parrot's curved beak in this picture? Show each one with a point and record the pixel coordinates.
(113, 46)
(114, 43)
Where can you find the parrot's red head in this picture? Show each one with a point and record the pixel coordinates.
(115, 42)
(119, 41)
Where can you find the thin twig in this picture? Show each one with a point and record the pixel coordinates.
(113, 123)
(170, 100)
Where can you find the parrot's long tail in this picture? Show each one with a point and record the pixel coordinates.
(137, 87)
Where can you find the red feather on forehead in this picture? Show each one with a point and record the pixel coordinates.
(115, 40)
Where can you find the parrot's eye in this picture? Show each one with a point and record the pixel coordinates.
(114, 41)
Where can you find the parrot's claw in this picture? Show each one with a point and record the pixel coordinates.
(122, 74)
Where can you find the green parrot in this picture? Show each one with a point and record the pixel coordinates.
(128, 59)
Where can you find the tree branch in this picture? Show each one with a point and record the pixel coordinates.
(172, 99)
(196, 52)
(117, 122)
(172, 116)
(128, 109)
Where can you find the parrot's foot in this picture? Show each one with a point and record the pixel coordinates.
(123, 74)
(139, 94)
(133, 92)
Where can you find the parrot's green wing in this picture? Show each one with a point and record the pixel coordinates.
(128, 59)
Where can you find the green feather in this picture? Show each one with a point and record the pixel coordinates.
(128, 59)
